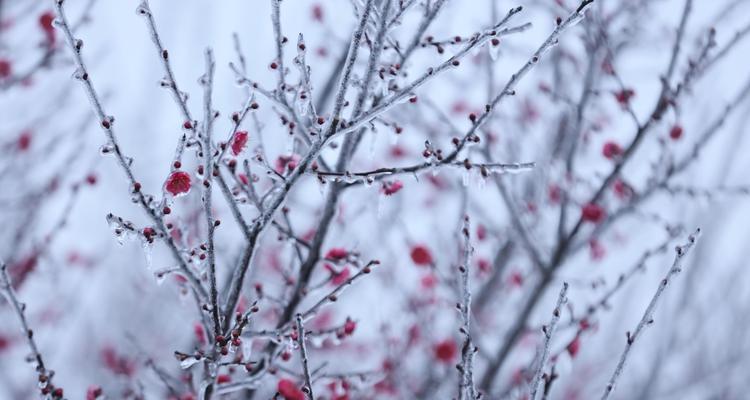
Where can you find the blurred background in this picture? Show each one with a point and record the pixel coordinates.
(101, 317)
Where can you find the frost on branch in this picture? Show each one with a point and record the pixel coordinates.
(303, 200)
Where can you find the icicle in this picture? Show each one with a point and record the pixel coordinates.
(121, 228)
(188, 362)
(289, 145)
(373, 142)
(466, 177)
(435, 170)
(578, 18)
(161, 274)
(494, 50)
(107, 149)
(316, 341)
(349, 178)
(333, 340)
(481, 182)
(153, 203)
(147, 252)
(160, 278)
(381, 206)
(247, 349)
(184, 295)
(514, 168)
(394, 139)
(80, 75)
(302, 102)
(142, 9)
(404, 98)
(382, 86)
(203, 80)
(322, 185)
(165, 82)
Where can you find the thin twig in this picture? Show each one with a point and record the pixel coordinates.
(279, 45)
(45, 375)
(447, 65)
(106, 123)
(333, 295)
(208, 117)
(484, 168)
(678, 41)
(666, 97)
(303, 356)
(548, 330)
(280, 195)
(648, 315)
(466, 385)
(429, 17)
(144, 9)
(640, 266)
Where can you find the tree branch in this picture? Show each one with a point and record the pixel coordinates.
(648, 315)
(548, 330)
(45, 376)
(303, 356)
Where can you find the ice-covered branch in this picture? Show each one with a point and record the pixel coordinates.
(112, 146)
(303, 356)
(549, 331)
(648, 315)
(334, 294)
(485, 169)
(466, 388)
(430, 15)
(453, 62)
(678, 40)
(280, 195)
(604, 300)
(279, 40)
(169, 81)
(46, 60)
(46, 387)
(207, 80)
(190, 124)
